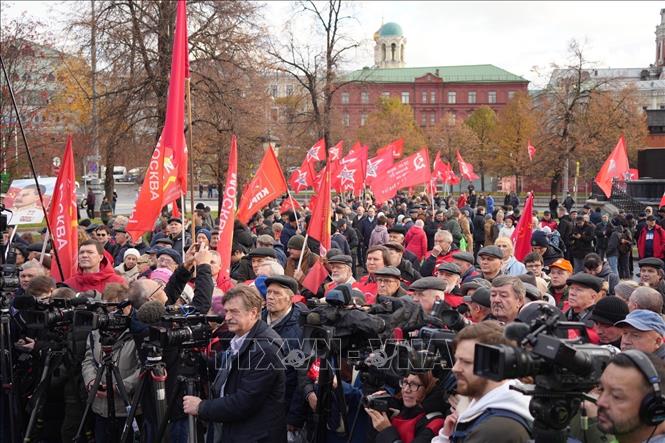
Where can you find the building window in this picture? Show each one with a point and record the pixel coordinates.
(273, 90)
(432, 97)
(363, 119)
(289, 89)
(364, 97)
(511, 94)
(432, 119)
(452, 97)
(491, 97)
(345, 98)
(423, 119)
(405, 98)
(424, 95)
(452, 119)
(472, 96)
(346, 120)
(385, 94)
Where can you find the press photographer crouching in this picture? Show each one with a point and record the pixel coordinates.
(411, 423)
(144, 315)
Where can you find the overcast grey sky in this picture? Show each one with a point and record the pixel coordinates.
(515, 36)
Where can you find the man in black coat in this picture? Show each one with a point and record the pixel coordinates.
(581, 243)
(478, 230)
(248, 393)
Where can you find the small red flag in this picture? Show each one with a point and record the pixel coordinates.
(62, 217)
(268, 184)
(395, 148)
(662, 201)
(287, 206)
(303, 177)
(315, 277)
(335, 152)
(466, 169)
(227, 215)
(319, 225)
(317, 152)
(522, 235)
(615, 167)
(531, 150)
(349, 173)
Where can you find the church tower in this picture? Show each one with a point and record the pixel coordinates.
(660, 40)
(389, 47)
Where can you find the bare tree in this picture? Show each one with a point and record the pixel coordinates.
(315, 66)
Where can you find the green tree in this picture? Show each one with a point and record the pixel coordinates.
(483, 124)
(392, 120)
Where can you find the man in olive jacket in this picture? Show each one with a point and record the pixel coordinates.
(247, 402)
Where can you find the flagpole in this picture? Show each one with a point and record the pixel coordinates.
(302, 251)
(293, 207)
(190, 157)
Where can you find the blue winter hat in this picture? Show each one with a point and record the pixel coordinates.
(203, 231)
(644, 320)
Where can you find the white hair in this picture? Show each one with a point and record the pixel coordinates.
(420, 223)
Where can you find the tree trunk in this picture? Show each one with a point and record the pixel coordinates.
(555, 183)
(566, 173)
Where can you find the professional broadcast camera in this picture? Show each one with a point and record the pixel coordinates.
(56, 313)
(183, 330)
(563, 370)
(93, 315)
(9, 279)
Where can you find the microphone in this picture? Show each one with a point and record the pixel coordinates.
(151, 312)
(314, 319)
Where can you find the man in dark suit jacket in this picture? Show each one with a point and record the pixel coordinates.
(248, 392)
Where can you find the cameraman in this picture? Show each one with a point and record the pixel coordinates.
(143, 290)
(496, 413)
(127, 362)
(412, 424)
(624, 388)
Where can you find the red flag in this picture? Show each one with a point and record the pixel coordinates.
(531, 150)
(616, 166)
(396, 148)
(166, 176)
(662, 201)
(411, 171)
(319, 225)
(522, 234)
(62, 217)
(315, 277)
(633, 174)
(303, 177)
(287, 206)
(466, 169)
(349, 173)
(268, 184)
(448, 175)
(227, 215)
(377, 166)
(317, 152)
(335, 152)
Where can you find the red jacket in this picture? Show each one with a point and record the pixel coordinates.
(416, 242)
(658, 242)
(97, 280)
(367, 285)
(552, 224)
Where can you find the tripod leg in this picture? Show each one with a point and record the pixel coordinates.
(138, 394)
(7, 374)
(165, 419)
(52, 361)
(121, 390)
(189, 389)
(88, 404)
(110, 402)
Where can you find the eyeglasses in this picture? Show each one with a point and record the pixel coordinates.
(159, 288)
(385, 281)
(409, 386)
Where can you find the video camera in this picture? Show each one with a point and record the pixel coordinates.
(99, 315)
(54, 314)
(183, 330)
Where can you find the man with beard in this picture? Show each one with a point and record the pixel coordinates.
(450, 273)
(496, 412)
(627, 382)
(340, 271)
(605, 314)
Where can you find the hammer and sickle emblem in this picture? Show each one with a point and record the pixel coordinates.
(419, 162)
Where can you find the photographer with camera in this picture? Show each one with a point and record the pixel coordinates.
(411, 423)
(631, 405)
(248, 393)
(144, 290)
(125, 358)
(496, 413)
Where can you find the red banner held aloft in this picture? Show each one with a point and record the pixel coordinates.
(315, 277)
(268, 184)
(522, 234)
(411, 171)
(396, 148)
(319, 225)
(377, 166)
(303, 177)
(615, 167)
(227, 216)
(63, 219)
(349, 173)
(317, 152)
(466, 169)
(166, 175)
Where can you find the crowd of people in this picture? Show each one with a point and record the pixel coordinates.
(455, 253)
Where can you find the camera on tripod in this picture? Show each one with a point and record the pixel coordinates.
(56, 313)
(98, 315)
(190, 331)
(9, 280)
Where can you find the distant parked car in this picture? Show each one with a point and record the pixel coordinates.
(136, 175)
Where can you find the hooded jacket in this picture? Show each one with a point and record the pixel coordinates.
(495, 429)
(611, 278)
(95, 280)
(379, 236)
(416, 242)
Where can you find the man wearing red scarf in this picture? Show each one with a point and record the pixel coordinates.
(95, 269)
